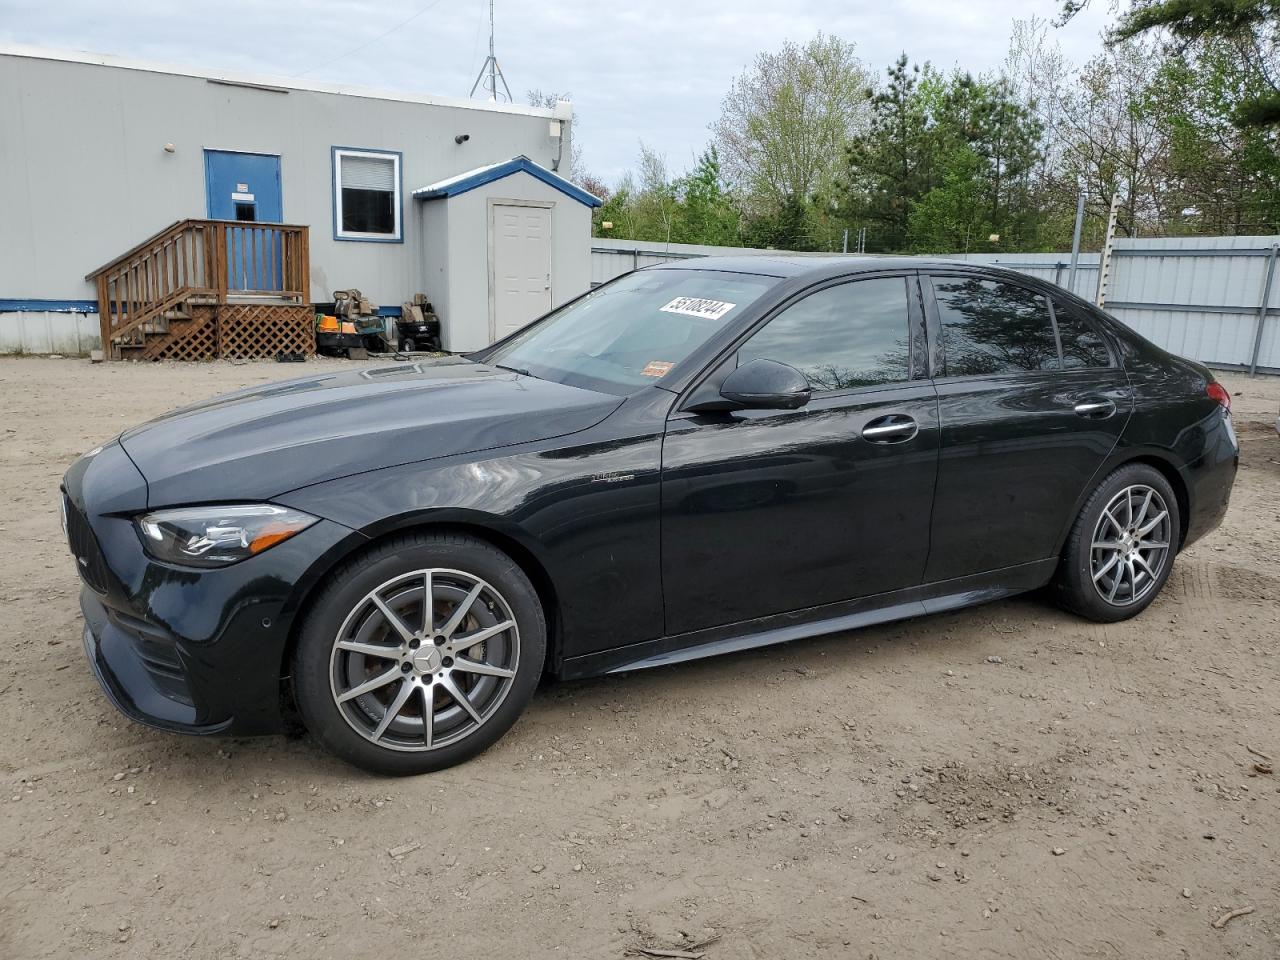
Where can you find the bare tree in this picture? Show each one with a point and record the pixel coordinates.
(1039, 77)
(1110, 143)
(577, 168)
(785, 122)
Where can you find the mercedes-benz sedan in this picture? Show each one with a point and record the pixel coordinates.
(688, 460)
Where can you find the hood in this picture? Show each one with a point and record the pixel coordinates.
(257, 443)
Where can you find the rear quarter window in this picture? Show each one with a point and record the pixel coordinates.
(1082, 345)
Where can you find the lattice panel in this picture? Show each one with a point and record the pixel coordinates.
(194, 339)
(248, 331)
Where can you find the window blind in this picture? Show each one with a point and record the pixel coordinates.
(368, 173)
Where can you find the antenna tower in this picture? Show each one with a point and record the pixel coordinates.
(490, 73)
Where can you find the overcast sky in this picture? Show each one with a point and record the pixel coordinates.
(638, 70)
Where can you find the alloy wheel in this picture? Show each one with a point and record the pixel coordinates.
(424, 660)
(1130, 545)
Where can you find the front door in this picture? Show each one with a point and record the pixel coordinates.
(520, 266)
(246, 187)
(769, 511)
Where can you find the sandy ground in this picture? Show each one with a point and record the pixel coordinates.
(887, 793)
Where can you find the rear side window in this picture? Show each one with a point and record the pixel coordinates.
(842, 337)
(1082, 345)
(990, 327)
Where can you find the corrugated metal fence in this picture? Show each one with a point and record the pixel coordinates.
(1213, 299)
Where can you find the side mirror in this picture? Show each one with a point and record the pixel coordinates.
(766, 385)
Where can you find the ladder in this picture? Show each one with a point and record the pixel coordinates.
(1104, 267)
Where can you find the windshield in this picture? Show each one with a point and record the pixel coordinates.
(630, 333)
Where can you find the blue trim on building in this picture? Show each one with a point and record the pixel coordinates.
(333, 162)
(24, 305)
(478, 178)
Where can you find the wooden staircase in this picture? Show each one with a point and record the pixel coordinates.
(202, 289)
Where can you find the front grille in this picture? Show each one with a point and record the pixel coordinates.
(84, 547)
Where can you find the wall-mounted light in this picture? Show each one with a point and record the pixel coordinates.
(169, 148)
(461, 138)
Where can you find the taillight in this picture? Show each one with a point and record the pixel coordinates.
(1218, 392)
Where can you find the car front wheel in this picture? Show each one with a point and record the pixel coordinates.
(420, 654)
(1120, 551)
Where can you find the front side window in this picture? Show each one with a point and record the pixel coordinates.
(366, 194)
(1082, 345)
(851, 335)
(630, 333)
(992, 328)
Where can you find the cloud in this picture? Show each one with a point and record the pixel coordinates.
(652, 72)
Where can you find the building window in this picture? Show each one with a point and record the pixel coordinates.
(366, 195)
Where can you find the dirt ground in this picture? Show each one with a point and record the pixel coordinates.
(895, 792)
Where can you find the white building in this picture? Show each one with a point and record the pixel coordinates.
(465, 201)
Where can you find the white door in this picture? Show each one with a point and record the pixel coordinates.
(521, 267)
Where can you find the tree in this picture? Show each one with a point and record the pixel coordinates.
(1250, 27)
(784, 123)
(1223, 178)
(694, 208)
(952, 216)
(1111, 143)
(576, 170)
(948, 162)
(1003, 135)
(707, 213)
(890, 164)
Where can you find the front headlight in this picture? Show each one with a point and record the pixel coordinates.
(218, 536)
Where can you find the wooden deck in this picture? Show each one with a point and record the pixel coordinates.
(204, 289)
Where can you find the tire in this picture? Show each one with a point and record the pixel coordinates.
(1108, 584)
(348, 643)
(407, 345)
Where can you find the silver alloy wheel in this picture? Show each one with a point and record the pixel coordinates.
(1130, 545)
(424, 660)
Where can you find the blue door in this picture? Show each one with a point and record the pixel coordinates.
(246, 187)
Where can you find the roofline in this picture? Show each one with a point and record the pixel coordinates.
(266, 81)
(471, 179)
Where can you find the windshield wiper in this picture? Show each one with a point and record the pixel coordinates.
(519, 370)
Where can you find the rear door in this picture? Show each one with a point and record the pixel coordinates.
(768, 511)
(1024, 424)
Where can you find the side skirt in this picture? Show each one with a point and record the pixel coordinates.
(815, 621)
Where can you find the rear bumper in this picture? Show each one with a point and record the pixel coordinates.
(1210, 478)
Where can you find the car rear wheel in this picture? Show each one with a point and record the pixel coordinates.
(1121, 549)
(420, 654)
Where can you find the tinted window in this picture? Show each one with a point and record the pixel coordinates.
(1082, 345)
(990, 327)
(851, 335)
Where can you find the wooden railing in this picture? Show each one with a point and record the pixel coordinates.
(199, 261)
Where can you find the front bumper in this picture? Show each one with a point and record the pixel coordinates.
(195, 651)
(151, 690)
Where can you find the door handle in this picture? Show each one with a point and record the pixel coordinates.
(1095, 409)
(894, 428)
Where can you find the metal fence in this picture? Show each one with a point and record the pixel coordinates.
(1213, 299)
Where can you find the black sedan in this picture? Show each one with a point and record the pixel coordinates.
(691, 459)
